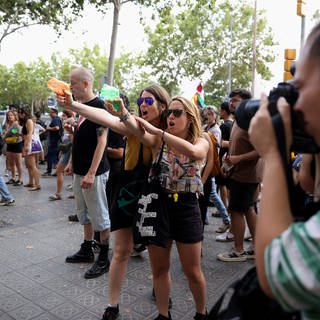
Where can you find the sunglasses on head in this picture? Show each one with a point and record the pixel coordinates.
(148, 100)
(176, 112)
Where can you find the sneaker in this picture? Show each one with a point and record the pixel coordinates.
(46, 174)
(85, 254)
(200, 316)
(161, 317)
(138, 250)
(11, 181)
(111, 313)
(250, 252)
(232, 256)
(73, 218)
(223, 228)
(69, 187)
(225, 237)
(7, 203)
(18, 183)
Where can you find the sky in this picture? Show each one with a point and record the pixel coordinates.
(94, 28)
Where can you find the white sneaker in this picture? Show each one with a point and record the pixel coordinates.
(232, 256)
(225, 237)
(138, 250)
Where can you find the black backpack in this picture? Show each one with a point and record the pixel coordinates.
(248, 302)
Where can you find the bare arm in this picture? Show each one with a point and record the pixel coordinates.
(105, 118)
(28, 136)
(208, 168)
(235, 159)
(196, 151)
(115, 153)
(274, 206)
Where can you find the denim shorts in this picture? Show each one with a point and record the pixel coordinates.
(241, 196)
(185, 224)
(64, 158)
(92, 204)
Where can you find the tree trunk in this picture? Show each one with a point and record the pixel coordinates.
(116, 12)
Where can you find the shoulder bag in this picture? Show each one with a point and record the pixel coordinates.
(151, 224)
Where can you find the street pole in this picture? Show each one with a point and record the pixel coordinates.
(303, 27)
(230, 57)
(254, 51)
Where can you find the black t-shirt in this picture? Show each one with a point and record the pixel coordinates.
(115, 140)
(225, 128)
(85, 143)
(54, 135)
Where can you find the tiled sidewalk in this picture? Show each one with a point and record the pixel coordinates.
(36, 283)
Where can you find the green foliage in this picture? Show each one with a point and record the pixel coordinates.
(194, 43)
(27, 84)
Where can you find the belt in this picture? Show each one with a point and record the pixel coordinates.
(182, 196)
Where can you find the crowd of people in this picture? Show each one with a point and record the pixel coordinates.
(105, 143)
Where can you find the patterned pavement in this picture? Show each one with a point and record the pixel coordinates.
(36, 283)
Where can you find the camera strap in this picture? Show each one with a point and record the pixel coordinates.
(281, 141)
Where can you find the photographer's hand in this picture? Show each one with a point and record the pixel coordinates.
(261, 131)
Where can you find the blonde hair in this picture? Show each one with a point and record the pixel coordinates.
(193, 114)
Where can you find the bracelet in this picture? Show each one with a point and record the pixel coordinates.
(125, 117)
(162, 137)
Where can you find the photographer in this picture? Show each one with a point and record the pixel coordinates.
(288, 253)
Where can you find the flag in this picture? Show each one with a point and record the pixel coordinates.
(198, 97)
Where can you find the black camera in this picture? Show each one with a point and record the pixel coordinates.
(302, 142)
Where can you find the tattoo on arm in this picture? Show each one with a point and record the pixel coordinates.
(100, 131)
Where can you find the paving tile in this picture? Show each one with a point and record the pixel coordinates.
(37, 274)
(67, 310)
(50, 301)
(26, 312)
(12, 302)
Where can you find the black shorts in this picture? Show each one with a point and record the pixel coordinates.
(185, 224)
(15, 147)
(221, 180)
(241, 195)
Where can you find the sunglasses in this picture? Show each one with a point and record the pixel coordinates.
(176, 112)
(148, 100)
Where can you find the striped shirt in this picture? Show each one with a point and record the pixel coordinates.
(292, 263)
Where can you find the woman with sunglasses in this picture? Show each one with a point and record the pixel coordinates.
(152, 101)
(184, 153)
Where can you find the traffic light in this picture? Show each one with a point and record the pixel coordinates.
(301, 8)
(289, 57)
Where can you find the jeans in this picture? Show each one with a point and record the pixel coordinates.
(4, 192)
(52, 154)
(218, 202)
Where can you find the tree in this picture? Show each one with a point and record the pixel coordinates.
(194, 43)
(19, 14)
(31, 88)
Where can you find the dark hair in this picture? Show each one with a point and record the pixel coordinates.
(54, 110)
(38, 114)
(68, 113)
(27, 112)
(243, 93)
(162, 97)
(225, 106)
